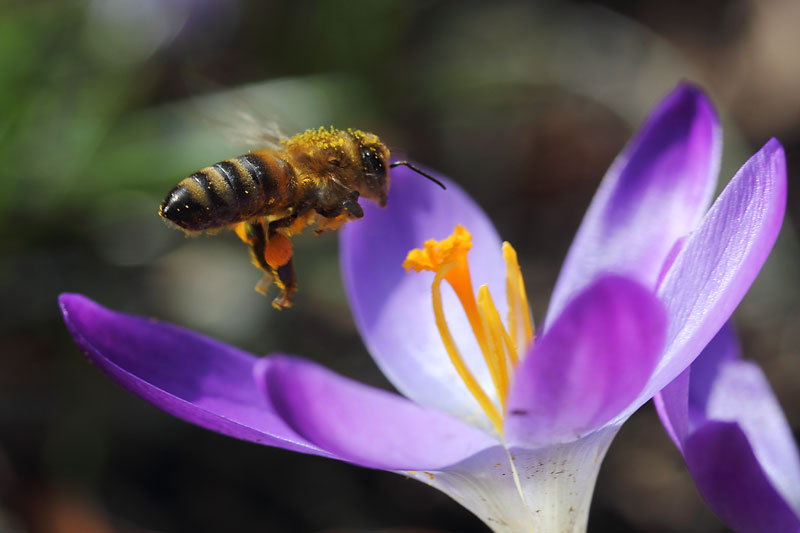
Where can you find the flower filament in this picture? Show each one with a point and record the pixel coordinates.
(501, 347)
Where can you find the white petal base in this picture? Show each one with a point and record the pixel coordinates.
(548, 490)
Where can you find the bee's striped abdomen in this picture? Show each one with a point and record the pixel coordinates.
(230, 191)
(274, 176)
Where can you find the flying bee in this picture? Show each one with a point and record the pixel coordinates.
(312, 179)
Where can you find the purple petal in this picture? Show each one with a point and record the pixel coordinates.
(732, 481)
(673, 402)
(705, 369)
(190, 376)
(672, 405)
(590, 364)
(393, 309)
(720, 260)
(740, 393)
(735, 438)
(364, 425)
(655, 192)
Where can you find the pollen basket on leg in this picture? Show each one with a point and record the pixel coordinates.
(278, 251)
(448, 260)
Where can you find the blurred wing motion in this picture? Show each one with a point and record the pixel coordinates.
(250, 130)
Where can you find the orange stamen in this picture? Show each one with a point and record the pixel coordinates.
(448, 259)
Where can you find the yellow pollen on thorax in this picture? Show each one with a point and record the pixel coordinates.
(323, 138)
(501, 347)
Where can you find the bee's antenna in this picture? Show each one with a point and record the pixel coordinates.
(418, 171)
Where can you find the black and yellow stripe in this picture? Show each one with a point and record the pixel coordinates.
(230, 191)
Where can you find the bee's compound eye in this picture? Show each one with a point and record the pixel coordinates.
(373, 164)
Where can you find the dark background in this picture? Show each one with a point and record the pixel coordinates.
(106, 104)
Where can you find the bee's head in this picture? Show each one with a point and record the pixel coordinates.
(375, 164)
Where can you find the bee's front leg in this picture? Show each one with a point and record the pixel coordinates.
(351, 205)
(331, 206)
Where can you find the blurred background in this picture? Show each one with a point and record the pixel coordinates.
(106, 104)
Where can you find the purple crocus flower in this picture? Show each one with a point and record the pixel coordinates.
(513, 428)
(725, 420)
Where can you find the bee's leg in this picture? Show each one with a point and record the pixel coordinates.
(271, 252)
(282, 275)
(254, 235)
(348, 202)
(351, 205)
(286, 280)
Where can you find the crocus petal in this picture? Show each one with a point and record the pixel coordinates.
(393, 309)
(655, 192)
(673, 401)
(705, 369)
(365, 425)
(592, 362)
(672, 405)
(190, 376)
(528, 489)
(740, 393)
(732, 481)
(735, 439)
(720, 260)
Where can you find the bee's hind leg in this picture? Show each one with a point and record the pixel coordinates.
(279, 256)
(252, 233)
(272, 253)
(286, 281)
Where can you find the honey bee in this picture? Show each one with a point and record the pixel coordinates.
(312, 179)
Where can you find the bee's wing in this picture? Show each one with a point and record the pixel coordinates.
(255, 131)
(233, 116)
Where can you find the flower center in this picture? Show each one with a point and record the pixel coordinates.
(501, 347)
